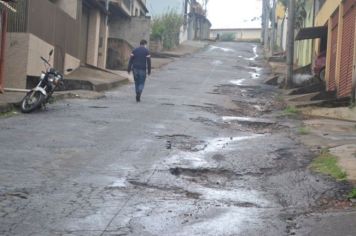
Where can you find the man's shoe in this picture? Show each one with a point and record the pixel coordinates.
(138, 97)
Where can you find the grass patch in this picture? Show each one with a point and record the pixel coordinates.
(8, 114)
(303, 130)
(280, 97)
(290, 110)
(326, 163)
(352, 194)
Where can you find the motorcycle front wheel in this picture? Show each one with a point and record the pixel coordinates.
(32, 101)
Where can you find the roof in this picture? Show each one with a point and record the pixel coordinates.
(312, 33)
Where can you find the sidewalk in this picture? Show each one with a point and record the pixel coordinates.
(90, 82)
(331, 128)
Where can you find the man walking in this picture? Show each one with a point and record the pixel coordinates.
(140, 62)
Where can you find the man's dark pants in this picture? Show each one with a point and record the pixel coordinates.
(140, 78)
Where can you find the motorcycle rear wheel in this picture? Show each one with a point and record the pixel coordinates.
(32, 101)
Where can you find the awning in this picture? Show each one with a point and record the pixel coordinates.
(312, 33)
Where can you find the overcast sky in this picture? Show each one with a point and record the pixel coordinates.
(221, 13)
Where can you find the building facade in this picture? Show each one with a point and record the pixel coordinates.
(79, 31)
(339, 16)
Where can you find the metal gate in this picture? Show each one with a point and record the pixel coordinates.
(348, 38)
(333, 51)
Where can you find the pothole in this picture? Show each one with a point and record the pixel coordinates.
(183, 142)
(166, 188)
(20, 194)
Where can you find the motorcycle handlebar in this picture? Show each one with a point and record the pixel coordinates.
(43, 59)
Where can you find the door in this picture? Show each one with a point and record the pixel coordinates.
(333, 51)
(347, 49)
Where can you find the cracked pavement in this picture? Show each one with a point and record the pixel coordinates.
(206, 152)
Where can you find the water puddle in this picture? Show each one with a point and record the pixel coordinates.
(254, 75)
(234, 195)
(238, 82)
(254, 49)
(247, 119)
(119, 183)
(213, 48)
(198, 159)
(217, 63)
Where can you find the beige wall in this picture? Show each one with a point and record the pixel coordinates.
(103, 40)
(16, 55)
(23, 54)
(68, 6)
(326, 11)
(37, 48)
(240, 34)
(70, 62)
(93, 37)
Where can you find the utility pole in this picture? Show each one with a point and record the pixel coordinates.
(290, 43)
(2, 47)
(266, 24)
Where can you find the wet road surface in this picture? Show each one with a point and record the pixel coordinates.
(207, 152)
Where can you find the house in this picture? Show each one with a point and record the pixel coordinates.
(339, 17)
(5, 6)
(81, 33)
(128, 25)
(326, 42)
(240, 34)
(74, 29)
(196, 25)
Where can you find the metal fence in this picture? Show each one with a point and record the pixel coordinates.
(17, 21)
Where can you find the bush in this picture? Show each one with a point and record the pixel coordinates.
(166, 27)
(227, 37)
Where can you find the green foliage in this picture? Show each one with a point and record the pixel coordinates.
(304, 130)
(352, 194)
(290, 110)
(301, 12)
(227, 37)
(326, 163)
(9, 113)
(166, 27)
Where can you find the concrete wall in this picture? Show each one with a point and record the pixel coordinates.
(132, 30)
(16, 55)
(70, 62)
(326, 11)
(23, 52)
(93, 37)
(118, 54)
(240, 34)
(69, 6)
(183, 34)
(103, 42)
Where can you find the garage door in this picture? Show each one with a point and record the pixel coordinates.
(347, 48)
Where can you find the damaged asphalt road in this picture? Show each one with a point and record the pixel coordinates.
(207, 152)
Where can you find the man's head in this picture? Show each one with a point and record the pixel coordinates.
(143, 42)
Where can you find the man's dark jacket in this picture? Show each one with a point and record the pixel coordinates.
(140, 59)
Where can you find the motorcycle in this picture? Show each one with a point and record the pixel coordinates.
(39, 96)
